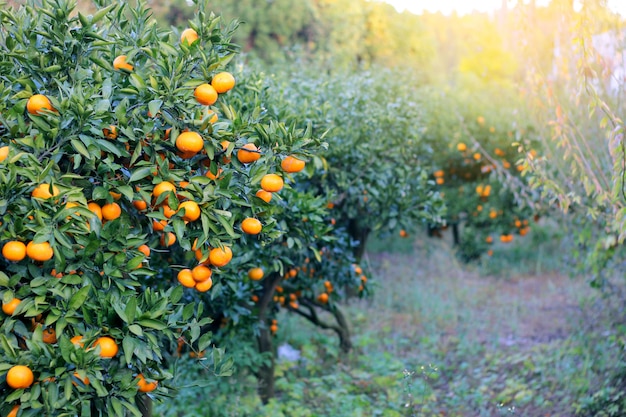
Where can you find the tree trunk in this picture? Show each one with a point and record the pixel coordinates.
(360, 234)
(265, 375)
(344, 334)
(455, 234)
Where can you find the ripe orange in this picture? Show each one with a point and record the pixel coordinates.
(256, 274)
(43, 191)
(14, 410)
(145, 249)
(223, 82)
(272, 183)
(292, 164)
(403, 233)
(159, 225)
(489, 239)
(192, 210)
(204, 286)
(461, 147)
(248, 153)
(95, 209)
(201, 273)
(477, 156)
(4, 153)
(85, 381)
(189, 142)
(37, 103)
(145, 386)
(20, 377)
(14, 251)
(108, 347)
(440, 181)
(251, 226)
(120, 63)
(264, 195)
(9, 308)
(274, 328)
(163, 187)
(77, 341)
(39, 251)
(205, 94)
(49, 336)
(439, 173)
(168, 239)
(185, 277)
(168, 211)
(220, 257)
(140, 205)
(189, 36)
(111, 211)
(110, 132)
(212, 176)
(358, 270)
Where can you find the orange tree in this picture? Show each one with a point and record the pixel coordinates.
(108, 162)
(481, 143)
(286, 240)
(375, 171)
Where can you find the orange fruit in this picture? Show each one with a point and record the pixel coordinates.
(43, 191)
(14, 251)
(159, 225)
(145, 386)
(9, 308)
(116, 196)
(168, 211)
(108, 347)
(189, 142)
(85, 381)
(111, 211)
(95, 209)
(204, 286)
(272, 183)
(440, 181)
(358, 270)
(256, 274)
(489, 239)
(185, 277)
(213, 115)
(201, 273)
(37, 103)
(120, 63)
(4, 153)
(14, 410)
(274, 328)
(163, 187)
(205, 94)
(461, 147)
(188, 36)
(248, 153)
(292, 164)
(251, 226)
(145, 249)
(20, 377)
(77, 341)
(220, 257)
(264, 195)
(110, 132)
(403, 233)
(140, 205)
(223, 82)
(192, 210)
(438, 174)
(168, 239)
(39, 251)
(212, 176)
(49, 336)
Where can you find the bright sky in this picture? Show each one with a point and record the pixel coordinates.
(467, 6)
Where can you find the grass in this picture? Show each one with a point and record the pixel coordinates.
(438, 339)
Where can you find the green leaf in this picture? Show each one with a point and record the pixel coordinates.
(141, 173)
(79, 298)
